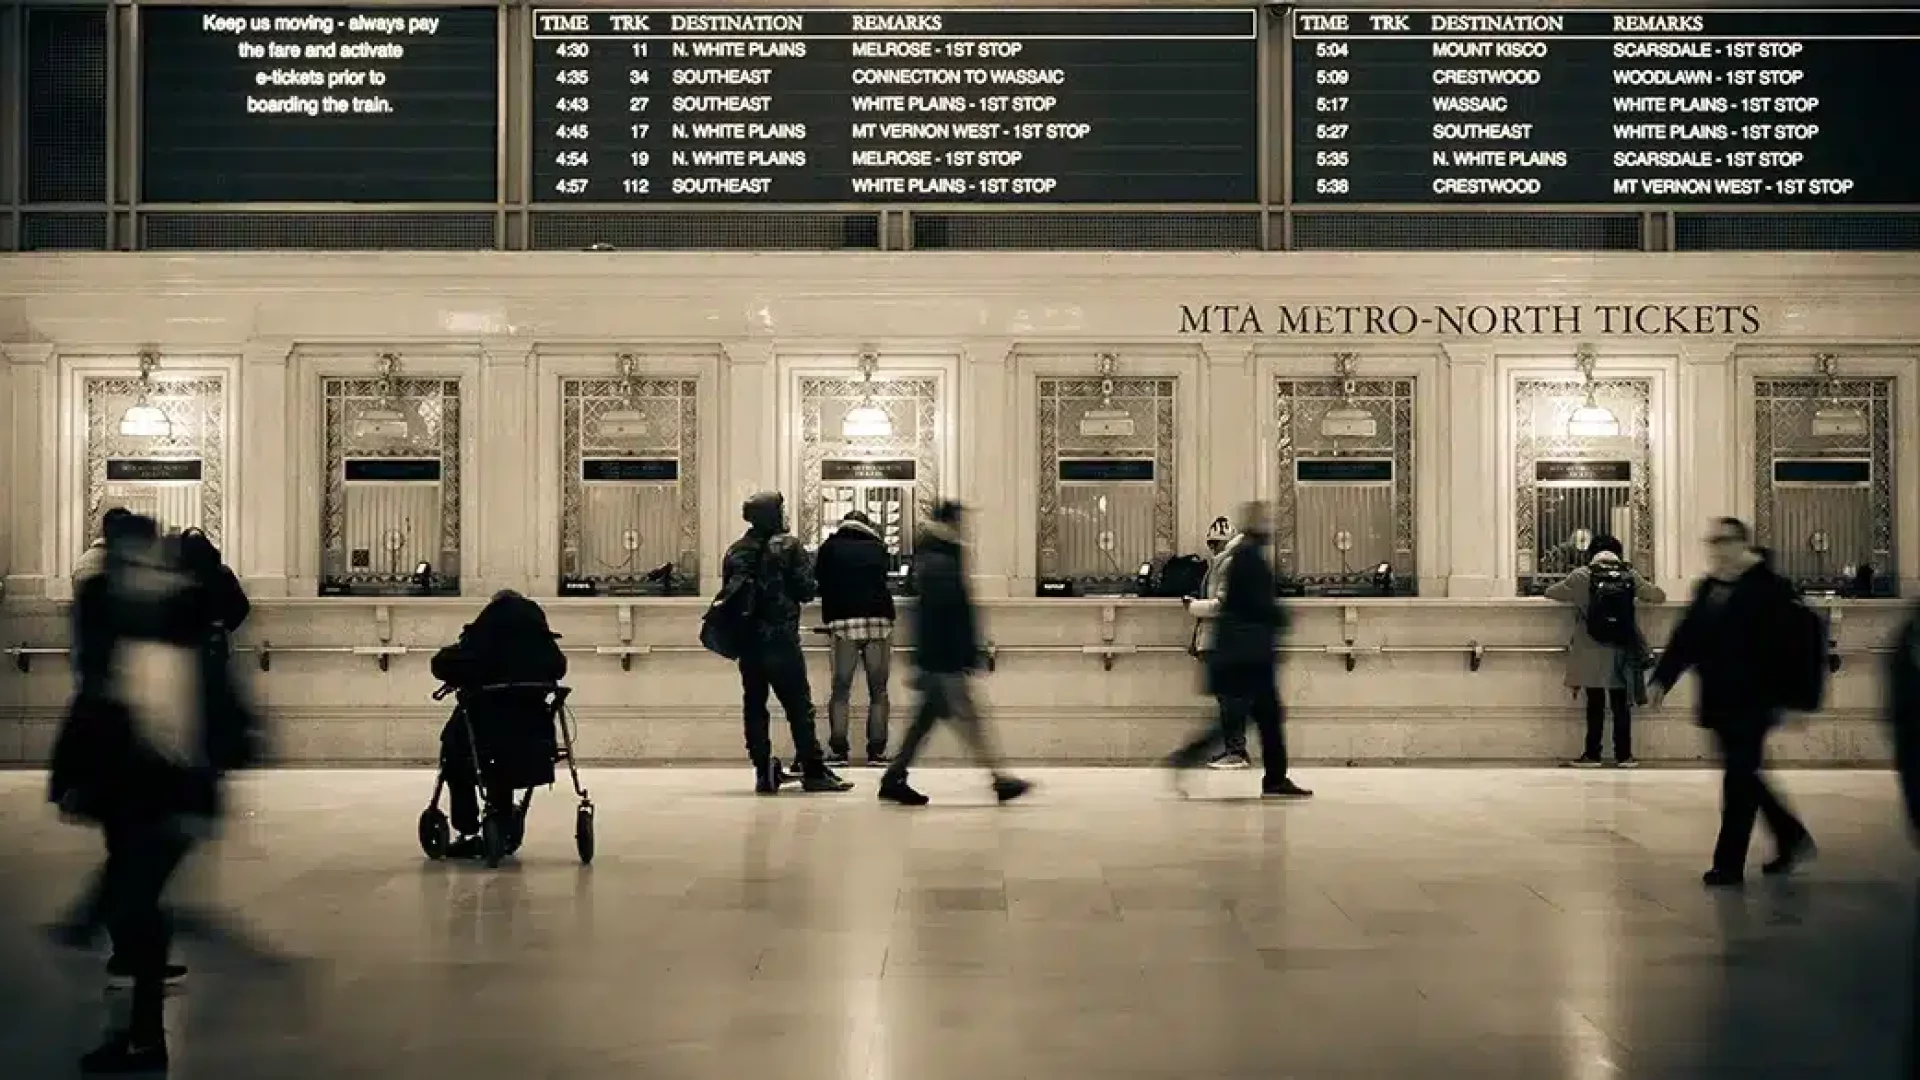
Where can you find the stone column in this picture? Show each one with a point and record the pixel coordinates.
(503, 480)
(30, 442)
(1236, 432)
(1707, 456)
(987, 438)
(1472, 468)
(749, 423)
(261, 461)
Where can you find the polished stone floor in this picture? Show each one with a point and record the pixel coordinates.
(1486, 924)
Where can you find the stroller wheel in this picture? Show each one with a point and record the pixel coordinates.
(583, 834)
(493, 841)
(435, 836)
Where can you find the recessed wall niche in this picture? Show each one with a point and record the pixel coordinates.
(1345, 504)
(1823, 476)
(1108, 489)
(157, 446)
(1570, 486)
(391, 485)
(630, 484)
(870, 441)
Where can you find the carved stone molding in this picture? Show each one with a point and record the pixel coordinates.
(1541, 408)
(196, 409)
(1100, 539)
(669, 408)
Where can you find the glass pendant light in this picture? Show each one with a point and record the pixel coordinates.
(144, 419)
(867, 420)
(1591, 420)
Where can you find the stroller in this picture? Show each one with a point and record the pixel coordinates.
(510, 754)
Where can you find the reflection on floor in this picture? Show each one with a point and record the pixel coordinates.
(1480, 924)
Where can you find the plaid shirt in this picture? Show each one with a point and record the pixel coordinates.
(861, 629)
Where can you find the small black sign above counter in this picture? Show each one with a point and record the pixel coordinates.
(1109, 470)
(630, 470)
(1343, 471)
(1583, 472)
(392, 470)
(153, 470)
(1838, 471)
(849, 470)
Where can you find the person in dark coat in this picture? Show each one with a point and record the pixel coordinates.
(1607, 675)
(770, 564)
(1243, 667)
(851, 570)
(111, 769)
(229, 725)
(946, 651)
(1732, 638)
(506, 660)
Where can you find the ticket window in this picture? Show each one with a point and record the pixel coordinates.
(1583, 467)
(156, 447)
(884, 490)
(630, 507)
(390, 511)
(1107, 485)
(1823, 489)
(1344, 514)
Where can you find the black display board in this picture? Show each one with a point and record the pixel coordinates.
(895, 105)
(295, 104)
(1548, 106)
(66, 105)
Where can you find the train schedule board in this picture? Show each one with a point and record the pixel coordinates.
(895, 105)
(310, 104)
(1722, 106)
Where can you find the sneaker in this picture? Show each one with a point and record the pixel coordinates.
(466, 847)
(1008, 788)
(1626, 763)
(767, 777)
(878, 759)
(122, 1054)
(824, 780)
(1586, 761)
(1284, 789)
(1723, 879)
(897, 792)
(1231, 760)
(120, 974)
(1792, 856)
(836, 759)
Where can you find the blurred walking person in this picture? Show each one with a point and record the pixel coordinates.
(1243, 667)
(1740, 636)
(946, 651)
(1205, 608)
(851, 571)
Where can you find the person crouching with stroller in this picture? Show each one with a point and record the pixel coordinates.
(508, 644)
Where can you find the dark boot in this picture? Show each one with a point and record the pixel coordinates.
(825, 780)
(767, 777)
(894, 789)
(122, 1053)
(1008, 788)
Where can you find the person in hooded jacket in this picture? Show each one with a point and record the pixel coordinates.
(1607, 674)
(946, 650)
(510, 650)
(111, 768)
(1221, 540)
(851, 570)
(770, 564)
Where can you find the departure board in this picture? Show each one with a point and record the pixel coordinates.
(291, 104)
(895, 105)
(1648, 107)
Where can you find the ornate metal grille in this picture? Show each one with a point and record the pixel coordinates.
(663, 516)
(1098, 534)
(1541, 410)
(912, 406)
(196, 410)
(432, 410)
(1821, 532)
(1379, 520)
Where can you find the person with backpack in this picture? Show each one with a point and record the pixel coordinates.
(1756, 650)
(1606, 654)
(755, 621)
(1222, 538)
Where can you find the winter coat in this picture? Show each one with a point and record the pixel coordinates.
(1214, 586)
(1592, 665)
(850, 571)
(776, 567)
(1733, 647)
(508, 642)
(1250, 624)
(91, 561)
(946, 627)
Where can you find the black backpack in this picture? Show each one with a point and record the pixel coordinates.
(1609, 613)
(1802, 667)
(1180, 576)
(727, 629)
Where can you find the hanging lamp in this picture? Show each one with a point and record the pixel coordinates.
(144, 419)
(867, 420)
(1591, 420)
